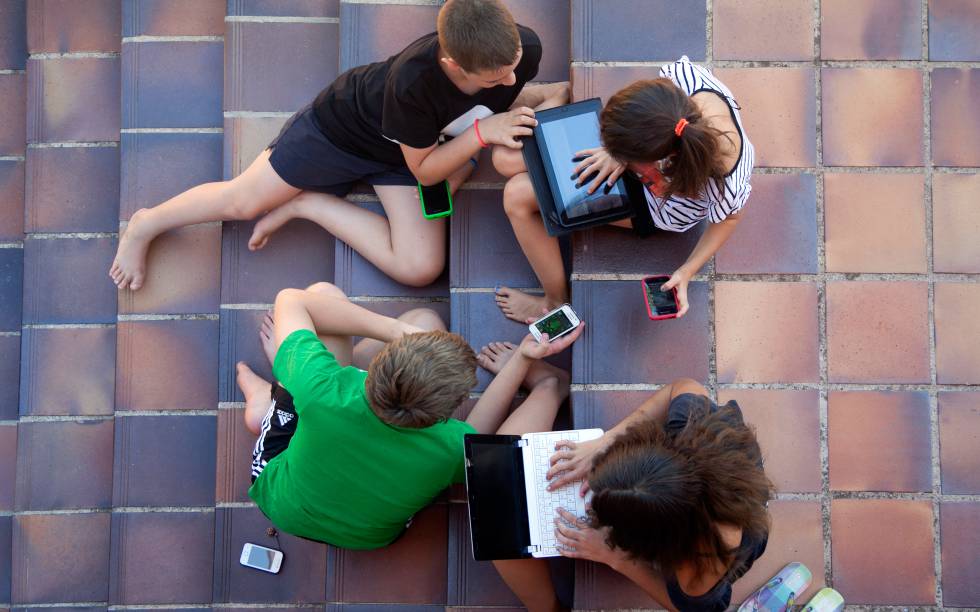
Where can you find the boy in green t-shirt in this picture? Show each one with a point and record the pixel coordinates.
(347, 456)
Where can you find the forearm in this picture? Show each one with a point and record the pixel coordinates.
(648, 579)
(447, 158)
(492, 408)
(654, 408)
(711, 240)
(329, 315)
(536, 95)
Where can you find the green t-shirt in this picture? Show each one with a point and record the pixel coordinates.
(347, 478)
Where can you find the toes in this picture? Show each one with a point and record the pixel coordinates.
(510, 345)
(504, 291)
(136, 283)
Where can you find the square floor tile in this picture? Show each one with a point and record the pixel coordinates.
(68, 26)
(796, 535)
(955, 222)
(6, 533)
(763, 30)
(278, 66)
(957, 328)
(11, 287)
(304, 566)
(605, 409)
(11, 200)
(64, 464)
(787, 425)
(299, 254)
(608, 249)
(377, 31)
(173, 18)
(285, 8)
(870, 29)
(183, 274)
(960, 526)
(885, 129)
(73, 99)
(472, 583)
(245, 138)
(75, 271)
(164, 461)
(68, 371)
(784, 132)
(239, 337)
(549, 20)
(8, 469)
(415, 566)
(952, 30)
(959, 435)
(13, 35)
(172, 84)
(877, 332)
(870, 564)
(598, 587)
(72, 189)
(60, 558)
(954, 90)
(235, 443)
(182, 575)
(879, 441)
(875, 223)
(778, 230)
(10, 374)
(483, 249)
(167, 365)
(651, 30)
(767, 332)
(13, 97)
(155, 167)
(604, 81)
(622, 345)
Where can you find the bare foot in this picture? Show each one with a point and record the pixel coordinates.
(258, 394)
(521, 306)
(268, 224)
(267, 336)
(494, 356)
(128, 269)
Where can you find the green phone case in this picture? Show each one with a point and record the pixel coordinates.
(449, 196)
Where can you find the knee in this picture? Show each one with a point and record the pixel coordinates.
(425, 318)
(419, 271)
(239, 205)
(507, 161)
(519, 200)
(326, 288)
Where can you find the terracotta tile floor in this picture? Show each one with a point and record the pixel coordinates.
(841, 315)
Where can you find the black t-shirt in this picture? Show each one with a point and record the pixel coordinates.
(408, 99)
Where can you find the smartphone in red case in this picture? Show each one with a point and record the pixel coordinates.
(660, 304)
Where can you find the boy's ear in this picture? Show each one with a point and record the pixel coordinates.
(451, 63)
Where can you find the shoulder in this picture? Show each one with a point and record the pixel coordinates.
(529, 38)
(413, 67)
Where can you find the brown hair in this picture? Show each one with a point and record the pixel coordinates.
(478, 34)
(420, 379)
(663, 496)
(638, 125)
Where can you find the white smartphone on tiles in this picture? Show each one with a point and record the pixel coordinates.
(261, 558)
(556, 323)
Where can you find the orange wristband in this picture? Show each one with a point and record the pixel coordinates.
(476, 128)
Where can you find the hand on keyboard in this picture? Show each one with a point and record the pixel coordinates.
(572, 461)
(577, 539)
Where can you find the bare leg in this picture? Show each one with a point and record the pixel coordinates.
(495, 355)
(425, 318)
(530, 580)
(256, 190)
(257, 392)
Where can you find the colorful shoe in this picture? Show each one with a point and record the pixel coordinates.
(826, 600)
(780, 592)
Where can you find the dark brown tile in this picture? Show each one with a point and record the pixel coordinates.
(604, 409)
(549, 19)
(472, 583)
(483, 249)
(64, 465)
(376, 31)
(13, 98)
(68, 26)
(952, 30)
(611, 249)
(179, 572)
(955, 222)
(74, 270)
(11, 200)
(959, 435)
(879, 441)
(954, 90)
(72, 189)
(957, 327)
(8, 471)
(240, 342)
(235, 443)
(11, 288)
(68, 371)
(73, 99)
(167, 365)
(60, 558)
(960, 529)
(173, 18)
(644, 31)
(10, 375)
(172, 84)
(13, 34)
(603, 81)
(870, 29)
(245, 138)
(763, 30)
(164, 461)
(873, 566)
(6, 562)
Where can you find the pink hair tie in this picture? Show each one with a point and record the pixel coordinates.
(679, 128)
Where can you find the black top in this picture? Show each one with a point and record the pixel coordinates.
(408, 99)
(683, 408)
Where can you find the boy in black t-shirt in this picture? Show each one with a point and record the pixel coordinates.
(385, 123)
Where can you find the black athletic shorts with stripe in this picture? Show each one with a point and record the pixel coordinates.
(278, 427)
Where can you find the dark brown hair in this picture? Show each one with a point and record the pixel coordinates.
(663, 496)
(478, 34)
(638, 124)
(420, 379)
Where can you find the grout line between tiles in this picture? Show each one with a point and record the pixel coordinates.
(11, 245)
(173, 130)
(278, 19)
(122, 318)
(73, 145)
(156, 413)
(12, 71)
(165, 39)
(74, 55)
(400, 2)
(69, 235)
(240, 114)
(13, 158)
(80, 418)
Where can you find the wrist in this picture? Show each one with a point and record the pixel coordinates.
(479, 137)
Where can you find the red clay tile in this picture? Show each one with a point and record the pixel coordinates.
(763, 30)
(778, 232)
(787, 425)
(137, 575)
(72, 189)
(164, 461)
(415, 566)
(183, 274)
(875, 222)
(604, 81)
(955, 222)
(73, 99)
(67, 26)
(285, 8)
(172, 84)
(74, 270)
(373, 32)
(879, 441)
(870, 29)
(605, 409)
(167, 365)
(6, 535)
(11, 288)
(650, 30)
(13, 99)
(784, 128)
(13, 35)
(245, 138)
(8, 464)
(11, 200)
(877, 332)
(960, 529)
(884, 129)
(796, 535)
(68, 371)
(471, 583)
(173, 18)
(235, 443)
(610, 249)
(483, 249)
(882, 551)
(959, 436)
(598, 587)
(549, 19)
(952, 30)
(766, 332)
(60, 558)
(957, 328)
(954, 127)
(10, 375)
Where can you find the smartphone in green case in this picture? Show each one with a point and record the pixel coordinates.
(437, 201)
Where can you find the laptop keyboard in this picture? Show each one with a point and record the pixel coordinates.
(567, 497)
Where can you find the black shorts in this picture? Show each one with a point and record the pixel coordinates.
(304, 157)
(643, 225)
(278, 428)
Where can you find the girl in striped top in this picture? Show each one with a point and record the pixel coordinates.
(682, 136)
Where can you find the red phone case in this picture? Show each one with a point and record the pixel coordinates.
(646, 299)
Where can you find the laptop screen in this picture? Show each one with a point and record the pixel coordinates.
(498, 501)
